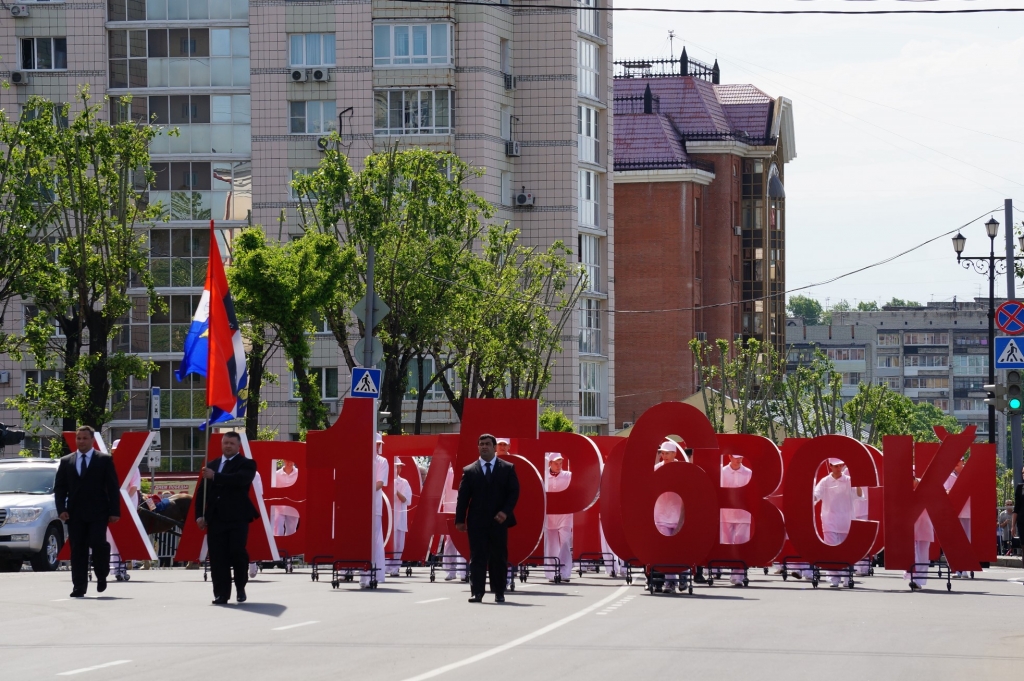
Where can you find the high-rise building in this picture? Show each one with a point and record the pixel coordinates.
(252, 87)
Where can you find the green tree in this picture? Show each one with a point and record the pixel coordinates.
(867, 306)
(806, 307)
(284, 286)
(555, 421)
(88, 186)
(925, 416)
(900, 302)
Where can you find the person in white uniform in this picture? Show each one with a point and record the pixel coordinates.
(860, 512)
(668, 511)
(284, 518)
(924, 535)
(965, 512)
(451, 559)
(380, 478)
(403, 495)
(735, 522)
(558, 527)
(836, 496)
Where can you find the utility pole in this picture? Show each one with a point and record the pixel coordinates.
(1011, 274)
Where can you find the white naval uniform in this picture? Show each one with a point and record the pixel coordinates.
(668, 512)
(924, 535)
(283, 518)
(452, 560)
(558, 529)
(380, 474)
(860, 512)
(836, 511)
(735, 522)
(401, 509)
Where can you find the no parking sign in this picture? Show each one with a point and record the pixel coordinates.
(1010, 317)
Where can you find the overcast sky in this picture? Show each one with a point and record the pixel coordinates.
(906, 127)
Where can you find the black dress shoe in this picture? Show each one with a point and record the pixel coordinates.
(77, 594)
(240, 597)
(219, 601)
(499, 598)
(101, 584)
(476, 599)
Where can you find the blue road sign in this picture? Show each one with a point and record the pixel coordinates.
(365, 382)
(1009, 353)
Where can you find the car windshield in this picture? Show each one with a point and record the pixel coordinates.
(27, 480)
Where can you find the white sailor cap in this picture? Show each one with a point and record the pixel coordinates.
(833, 461)
(379, 439)
(502, 441)
(668, 446)
(553, 456)
(399, 462)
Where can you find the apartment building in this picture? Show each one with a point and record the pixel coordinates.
(252, 87)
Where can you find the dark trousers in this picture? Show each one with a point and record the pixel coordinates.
(488, 553)
(85, 535)
(225, 546)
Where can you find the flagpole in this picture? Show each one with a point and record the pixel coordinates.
(206, 459)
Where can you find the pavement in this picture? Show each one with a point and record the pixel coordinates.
(160, 624)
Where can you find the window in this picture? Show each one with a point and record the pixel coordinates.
(968, 383)
(218, 190)
(587, 68)
(587, 134)
(970, 340)
(311, 49)
(590, 326)
(970, 405)
(970, 365)
(182, 448)
(889, 340)
(926, 382)
(891, 382)
(506, 122)
(37, 377)
(590, 258)
(311, 117)
(59, 114)
(505, 55)
(851, 378)
(32, 311)
(590, 389)
(845, 354)
(157, 10)
(325, 379)
(297, 173)
(926, 339)
(205, 123)
(888, 361)
(413, 112)
(434, 392)
(802, 355)
(412, 45)
(926, 361)
(982, 426)
(506, 189)
(179, 57)
(588, 202)
(588, 22)
(178, 257)
(44, 54)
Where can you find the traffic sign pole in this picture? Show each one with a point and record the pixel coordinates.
(1016, 449)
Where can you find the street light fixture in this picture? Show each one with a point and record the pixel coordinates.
(960, 240)
(992, 228)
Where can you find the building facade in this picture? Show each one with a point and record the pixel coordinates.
(699, 171)
(252, 87)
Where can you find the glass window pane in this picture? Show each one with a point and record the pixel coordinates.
(199, 72)
(199, 39)
(419, 44)
(438, 41)
(239, 9)
(220, 42)
(28, 53)
(177, 72)
(157, 43)
(295, 52)
(313, 49)
(177, 9)
(382, 44)
(401, 45)
(380, 109)
(220, 71)
(240, 42)
(118, 73)
(329, 49)
(298, 116)
(410, 114)
(116, 10)
(314, 120)
(239, 70)
(198, 9)
(329, 117)
(220, 9)
(220, 109)
(136, 40)
(442, 99)
(117, 44)
(240, 109)
(330, 382)
(160, 243)
(426, 108)
(221, 176)
(44, 53)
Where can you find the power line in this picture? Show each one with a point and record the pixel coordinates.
(666, 10)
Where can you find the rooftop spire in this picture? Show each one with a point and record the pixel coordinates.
(648, 100)
(684, 63)
(716, 73)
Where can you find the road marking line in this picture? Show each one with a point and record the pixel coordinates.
(432, 600)
(58, 600)
(521, 640)
(90, 669)
(293, 626)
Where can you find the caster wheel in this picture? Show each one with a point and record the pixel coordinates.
(711, 581)
(431, 577)
(785, 575)
(746, 582)
(766, 571)
(512, 586)
(629, 579)
(689, 589)
(204, 578)
(850, 584)
(814, 583)
(949, 587)
(408, 572)
(127, 577)
(558, 579)
(972, 575)
(334, 585)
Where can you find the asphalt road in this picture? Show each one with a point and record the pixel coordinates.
(161, 625)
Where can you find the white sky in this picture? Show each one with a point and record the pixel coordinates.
(881, 102)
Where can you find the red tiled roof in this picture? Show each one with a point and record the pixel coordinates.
(647, 137)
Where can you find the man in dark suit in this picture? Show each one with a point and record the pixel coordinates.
(224, 491)
(88, 499)
(487, 499)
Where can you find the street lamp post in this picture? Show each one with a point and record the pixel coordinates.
(990, 265)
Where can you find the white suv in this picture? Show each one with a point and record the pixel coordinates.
(29, 527)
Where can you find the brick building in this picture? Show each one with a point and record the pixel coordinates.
(700, 221)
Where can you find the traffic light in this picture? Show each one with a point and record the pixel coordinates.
(1014, 396)
(997, 395)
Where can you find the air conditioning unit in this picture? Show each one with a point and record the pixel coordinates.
(510, 81)
(19, 10)
(524, 198)
(321, 75)
(5, 377)
(19, 77)
(626, 424)
(332, 406)
(737, 230)
(299, 75)
(512, 148)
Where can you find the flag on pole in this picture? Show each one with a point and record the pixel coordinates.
(213, 346)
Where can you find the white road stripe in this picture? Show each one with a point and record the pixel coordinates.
(293, 626)
(58, 600)
(521, 640)
(432, 600)
(90, 669)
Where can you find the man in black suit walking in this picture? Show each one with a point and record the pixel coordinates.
(225, 483)
(88, 499)
(488, 494)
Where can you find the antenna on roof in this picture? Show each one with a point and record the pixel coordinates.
(671, 35)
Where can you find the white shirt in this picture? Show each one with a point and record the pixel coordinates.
(965, 512)
(449, 496)
(731, 479)
(557, 483)
(380, 474)
(224, 460)
(78, 460)
(402, 507)
(283, 478)
(836, 502)
(860, 505)
(135, 481)
(669, 507)
(923, 530)
(492, 463)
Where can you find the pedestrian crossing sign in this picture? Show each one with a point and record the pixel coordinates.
(365, 382)
(1009, 353)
